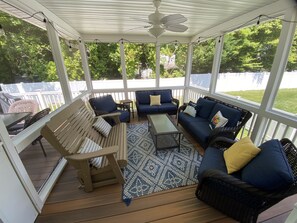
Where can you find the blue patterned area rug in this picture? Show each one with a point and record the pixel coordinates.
(147, 173)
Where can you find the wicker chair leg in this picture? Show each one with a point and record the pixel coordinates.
(44, 153)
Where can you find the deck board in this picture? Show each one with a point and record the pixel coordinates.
(68, 203)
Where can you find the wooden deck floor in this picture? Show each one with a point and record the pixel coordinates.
(68, 203)
(37, 165)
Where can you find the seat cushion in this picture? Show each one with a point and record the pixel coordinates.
(232, 114)
(270, 169)
(143, 97)
(147, 109)
(166, 95)
(167, 107)
(201, 131)
(204, 107)
(185, 119)
(125, 115)
(213, 159)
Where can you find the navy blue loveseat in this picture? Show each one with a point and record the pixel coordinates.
(206, 108)
(168, 105)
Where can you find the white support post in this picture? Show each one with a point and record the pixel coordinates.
(85, 65)
(123, 65)
(216, 64)
(276, 74)
(188, 72)
(19, 168)
(157, 64)
(59, 61)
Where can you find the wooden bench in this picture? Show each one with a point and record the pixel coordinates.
(66, 131)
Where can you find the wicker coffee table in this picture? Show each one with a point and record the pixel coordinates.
(164, 132)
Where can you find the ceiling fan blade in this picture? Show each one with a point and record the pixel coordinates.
(138, 27)
(173, 19)
(176, 28)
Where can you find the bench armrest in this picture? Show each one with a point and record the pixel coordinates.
(86, 156)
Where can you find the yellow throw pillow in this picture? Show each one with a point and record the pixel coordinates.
(240, 154)
(155, 100)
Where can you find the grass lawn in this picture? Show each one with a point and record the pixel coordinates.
(286, 99)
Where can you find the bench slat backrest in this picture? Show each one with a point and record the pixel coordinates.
(66, 130)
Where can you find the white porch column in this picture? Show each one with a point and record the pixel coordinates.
(85, 65)
(216, 64)
(157, 64)
(59, 61)
(276, 74)
(188, 71)
(123, 65)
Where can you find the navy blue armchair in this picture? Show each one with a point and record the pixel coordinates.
(106, 104)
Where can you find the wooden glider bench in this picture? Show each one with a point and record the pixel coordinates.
(66, 131)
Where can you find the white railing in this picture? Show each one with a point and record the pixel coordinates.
(277, 126)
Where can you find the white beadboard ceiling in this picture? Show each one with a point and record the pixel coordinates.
(125, 17)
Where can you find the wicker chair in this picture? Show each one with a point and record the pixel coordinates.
(24, 105)
(35, 118)
(240, 200)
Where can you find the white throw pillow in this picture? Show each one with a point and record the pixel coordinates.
(190, 110)
(102, 126)
(89, 146)
(218, 120)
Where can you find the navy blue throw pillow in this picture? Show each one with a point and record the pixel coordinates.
(204, 107)
(270, 169)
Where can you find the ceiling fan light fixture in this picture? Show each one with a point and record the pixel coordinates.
(156, 31)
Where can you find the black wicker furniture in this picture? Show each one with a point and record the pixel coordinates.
(199, 126)
(238, 199)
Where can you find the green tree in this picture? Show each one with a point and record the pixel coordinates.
(104, 61)
(203, 57)
(25, 51)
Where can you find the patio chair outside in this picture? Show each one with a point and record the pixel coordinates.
(39, 115)
(24, 105)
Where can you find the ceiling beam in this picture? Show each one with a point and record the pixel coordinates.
(133, 38)
(277, 8)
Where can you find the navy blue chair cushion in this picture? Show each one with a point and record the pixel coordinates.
(204, 107)
(200, 131)
(143, 97)
(104, 103)
(166, 95)
(270, 169)
(125, 115)
(147, 109)
(167, 107)
(233, 115)
(213, 159)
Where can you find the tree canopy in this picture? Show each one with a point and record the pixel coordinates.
(25, 54)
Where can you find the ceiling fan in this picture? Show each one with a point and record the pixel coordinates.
(159, 22)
